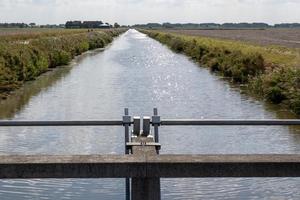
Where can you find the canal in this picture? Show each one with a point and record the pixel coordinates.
(137, 72)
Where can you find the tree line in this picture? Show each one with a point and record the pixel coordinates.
(68, 24)
(216, 25)
(30, 25)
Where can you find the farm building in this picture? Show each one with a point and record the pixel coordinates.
(87, 24)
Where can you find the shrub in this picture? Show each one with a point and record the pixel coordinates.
(295, 103)
(59, 57)
(281, 85)
(177, 44)
(7, 79)
(275, 94)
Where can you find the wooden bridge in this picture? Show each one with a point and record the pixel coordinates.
(142, 166)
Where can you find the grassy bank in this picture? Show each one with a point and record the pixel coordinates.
(270, 72)
(25, 56)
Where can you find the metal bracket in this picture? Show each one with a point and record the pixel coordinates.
(146, 127)
(155, 118)
(156, 123)
(126, 118)
(136, 126)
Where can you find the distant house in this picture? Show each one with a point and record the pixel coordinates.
(87, 24)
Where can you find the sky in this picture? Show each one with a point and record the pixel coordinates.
(129, 12)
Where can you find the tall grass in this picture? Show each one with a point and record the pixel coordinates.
(269, 72)
(22, 60)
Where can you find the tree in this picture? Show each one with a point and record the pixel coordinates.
(116, 25)
(32, 24)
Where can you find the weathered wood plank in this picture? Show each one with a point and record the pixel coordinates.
(120, 166)
(153, 158)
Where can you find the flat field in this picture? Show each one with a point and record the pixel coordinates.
(32, 33)
(26, 31)
(281, 37)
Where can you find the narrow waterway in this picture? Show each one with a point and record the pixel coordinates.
(140, 73)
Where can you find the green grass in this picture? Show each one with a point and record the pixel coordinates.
(24, 57)
(270, 72)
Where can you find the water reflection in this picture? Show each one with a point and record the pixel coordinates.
(21, 97)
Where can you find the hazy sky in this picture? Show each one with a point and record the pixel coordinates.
(144, 11)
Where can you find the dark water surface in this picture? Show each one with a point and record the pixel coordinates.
(139, 73)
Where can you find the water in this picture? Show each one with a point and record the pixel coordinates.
(139, 73)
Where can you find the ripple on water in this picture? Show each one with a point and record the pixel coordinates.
(224, 188)
(61, 189)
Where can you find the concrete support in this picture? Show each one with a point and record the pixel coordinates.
(146, 188)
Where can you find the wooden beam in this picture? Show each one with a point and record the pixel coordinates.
(171, 166)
